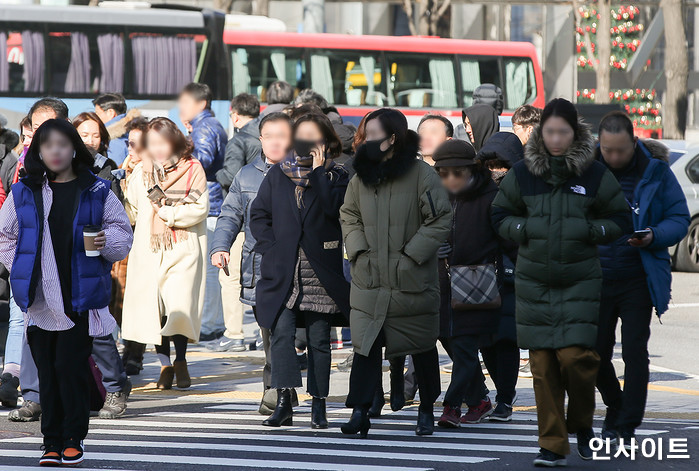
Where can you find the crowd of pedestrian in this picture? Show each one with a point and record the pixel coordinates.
(489, 242)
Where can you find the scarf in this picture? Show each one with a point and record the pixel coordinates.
(181, 185)
(299, 170)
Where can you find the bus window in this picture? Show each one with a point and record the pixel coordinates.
(421, 80)
(163, 64)
(520, 82)
(475, 71)
(22, 68)
(254, 68)
(348, 78)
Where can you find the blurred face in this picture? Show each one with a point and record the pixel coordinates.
(617, 148)
(27, 134)
(158, 147)
(104, 115)
(374, 132)
(455, 179)
(558, 135)
(309, 131)
(90, 134)
(40, 116)
(57, 152)
(134, 142)
(276, 140)
(189, 107)
(468, 128)
(432, 133)
(523, 132)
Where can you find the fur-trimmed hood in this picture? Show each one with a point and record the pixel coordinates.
(578, 157)
(374, 173)
(118, 129)
(656, 149)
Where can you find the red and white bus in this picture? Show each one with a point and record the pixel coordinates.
(360, 73)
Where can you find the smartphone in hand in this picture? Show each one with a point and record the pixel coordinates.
(224, 266)
(156, 195)
(640, 234)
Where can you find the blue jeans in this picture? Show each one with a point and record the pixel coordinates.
(212, 314)
(13, 348)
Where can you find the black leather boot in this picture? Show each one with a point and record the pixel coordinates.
(358, 423)
(397, 383)
(318, 416)
(283, 413)
(377, 404)
(425, 422)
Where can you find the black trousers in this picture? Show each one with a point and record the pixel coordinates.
(285, 368)
(502, 361)
(628, 300)
(366, 376)
(467, 380)
(61, 359)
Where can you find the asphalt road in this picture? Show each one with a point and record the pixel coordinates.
(214, 425)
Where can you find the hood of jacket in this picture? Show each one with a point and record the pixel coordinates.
(118, 129)
(484, 122)
(374, 173)
(578, 157)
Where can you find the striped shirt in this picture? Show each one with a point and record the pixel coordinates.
(47, 312)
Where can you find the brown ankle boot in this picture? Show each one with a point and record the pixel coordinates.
(167, 375)
(182, 374)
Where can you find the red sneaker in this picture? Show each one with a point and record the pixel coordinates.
(478, 413)
(450, 417)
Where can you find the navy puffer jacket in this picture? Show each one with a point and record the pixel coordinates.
(209, 139)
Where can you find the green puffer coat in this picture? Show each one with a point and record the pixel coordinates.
(395, 217)
(558, 209)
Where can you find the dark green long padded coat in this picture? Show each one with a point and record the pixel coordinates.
(558, 209)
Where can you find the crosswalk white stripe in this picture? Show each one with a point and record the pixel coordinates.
(43, 468)
(387, 420)
(231, 463)
(266, 449)
(354, 442)
(290, 433)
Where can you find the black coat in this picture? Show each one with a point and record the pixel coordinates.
(280, 228)
(474, 242)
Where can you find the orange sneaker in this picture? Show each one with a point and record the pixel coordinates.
(51, 457)
(72, 454)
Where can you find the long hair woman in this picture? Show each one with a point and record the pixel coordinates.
(395, 216)
(294, 220)
(63, 291)
(558, 204)
(168, 202)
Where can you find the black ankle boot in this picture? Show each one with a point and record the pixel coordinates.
(397, 384)
(283, 413)
(425, 422)
(318, 416)
(358, 423)
(377, 404)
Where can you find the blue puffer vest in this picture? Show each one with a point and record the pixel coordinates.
(91, 277)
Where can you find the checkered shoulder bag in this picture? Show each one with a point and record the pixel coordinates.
(474, 287)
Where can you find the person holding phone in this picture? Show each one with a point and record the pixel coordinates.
(275, 136)
(635, 267)
(63, 291)
(167, 199)
(295, 221)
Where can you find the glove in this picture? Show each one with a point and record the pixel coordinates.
(444, 250)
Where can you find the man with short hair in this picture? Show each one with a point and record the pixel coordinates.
(433, 131)
(275, 136)
(524, 120)
(209, 139)
(244, 146)
(635, 268)
(111, 110)
(279, 96)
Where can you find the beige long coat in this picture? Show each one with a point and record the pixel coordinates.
(169, 282)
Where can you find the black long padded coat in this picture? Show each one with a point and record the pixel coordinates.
(280, 227)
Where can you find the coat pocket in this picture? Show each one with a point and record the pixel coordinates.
(411, 277)
(361, 271)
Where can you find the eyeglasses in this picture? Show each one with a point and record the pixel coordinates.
(132, 144)
(457, 172)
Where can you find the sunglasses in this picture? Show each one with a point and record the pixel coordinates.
(457, 172)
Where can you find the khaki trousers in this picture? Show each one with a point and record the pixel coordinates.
(233, 309)
(555, 372)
